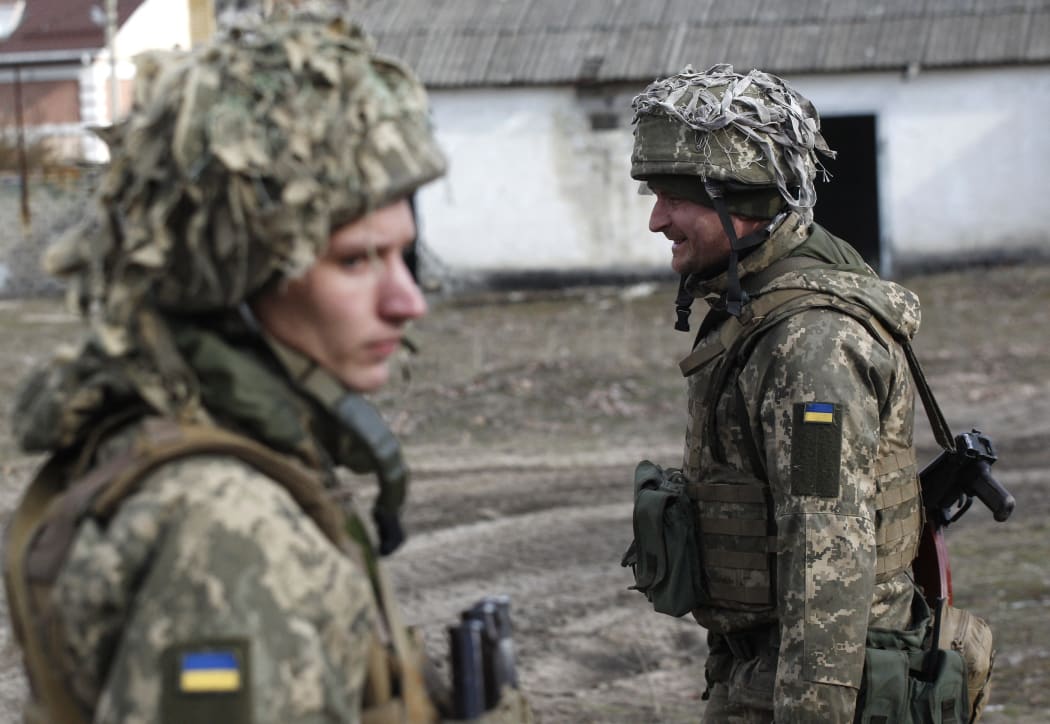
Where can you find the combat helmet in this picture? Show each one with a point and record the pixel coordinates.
(751, 141)
(236, 162)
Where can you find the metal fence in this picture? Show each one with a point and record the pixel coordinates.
(54, 202)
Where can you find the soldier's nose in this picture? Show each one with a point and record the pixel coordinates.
(658, 218)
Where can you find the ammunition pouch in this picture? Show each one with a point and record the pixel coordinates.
(702, 544)
(913, 679)
(971, 636)
(664, 554)
(746, 663)
(737, 539)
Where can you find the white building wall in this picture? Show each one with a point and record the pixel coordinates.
(531, 186)
(963, 158)
(964, 155)
(155, 25)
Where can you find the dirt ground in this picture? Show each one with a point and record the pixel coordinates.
(522, 417)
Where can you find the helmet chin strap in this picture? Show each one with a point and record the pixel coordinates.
(358, 417)
(736, 297)
(683, 305)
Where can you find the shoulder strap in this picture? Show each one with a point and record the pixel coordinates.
(774, 307)
(753, 314)
(753, 283)
(44, 526)
(51, 698)
(161, 441)
(760, 315)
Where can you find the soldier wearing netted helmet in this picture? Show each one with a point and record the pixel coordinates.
(799, 461)
(181, 556)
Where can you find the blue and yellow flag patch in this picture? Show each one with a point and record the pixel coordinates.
(209, 672)
(207, 680)
(816, 448)
(819, 412)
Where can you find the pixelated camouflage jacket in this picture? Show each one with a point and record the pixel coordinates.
(208, 550)
(818, 408)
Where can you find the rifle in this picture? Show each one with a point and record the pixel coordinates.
(949, 484)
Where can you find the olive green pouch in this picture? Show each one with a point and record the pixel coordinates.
(908, 681)
(664, 555)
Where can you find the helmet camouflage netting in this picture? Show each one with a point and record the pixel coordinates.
(742, 130)
(237, 161)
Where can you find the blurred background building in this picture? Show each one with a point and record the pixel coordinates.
(65, 65)
(937, 108)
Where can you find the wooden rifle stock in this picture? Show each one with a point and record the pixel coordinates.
(931, 567)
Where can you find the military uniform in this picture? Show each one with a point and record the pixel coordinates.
(799, 461)
(180, 557)
(208, 553)
(838, 505)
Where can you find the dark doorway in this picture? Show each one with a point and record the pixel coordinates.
(848, 204)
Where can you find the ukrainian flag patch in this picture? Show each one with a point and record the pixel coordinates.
(816, 448)
(822, 413)
(209, 672)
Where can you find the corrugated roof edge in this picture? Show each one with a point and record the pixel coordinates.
(529, 68)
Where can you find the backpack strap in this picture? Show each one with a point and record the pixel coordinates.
(51, 698)
(734, 327)
(778, 306)
(45, 523)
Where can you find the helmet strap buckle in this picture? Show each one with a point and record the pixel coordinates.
(683, 304)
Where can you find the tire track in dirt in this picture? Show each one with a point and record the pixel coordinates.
(550, 537)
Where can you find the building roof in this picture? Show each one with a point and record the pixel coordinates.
(453, 43)
(61, 25)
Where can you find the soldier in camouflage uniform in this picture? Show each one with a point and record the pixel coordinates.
(799, 438)
(180, 557)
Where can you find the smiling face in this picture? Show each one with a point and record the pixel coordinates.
(700, 244)
(348, 310)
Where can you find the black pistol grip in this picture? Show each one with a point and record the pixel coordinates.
(990, 492)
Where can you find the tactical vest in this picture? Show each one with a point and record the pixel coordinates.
(44, 527)
(738, 536)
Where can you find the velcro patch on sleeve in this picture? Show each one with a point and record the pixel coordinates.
(207, 681)
(816, 449)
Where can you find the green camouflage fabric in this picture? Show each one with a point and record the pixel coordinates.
(235, 164)
(826, 592)
(750, 130)
(211, 550)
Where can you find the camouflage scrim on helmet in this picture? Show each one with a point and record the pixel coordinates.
(238, 159)
(750, 130)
